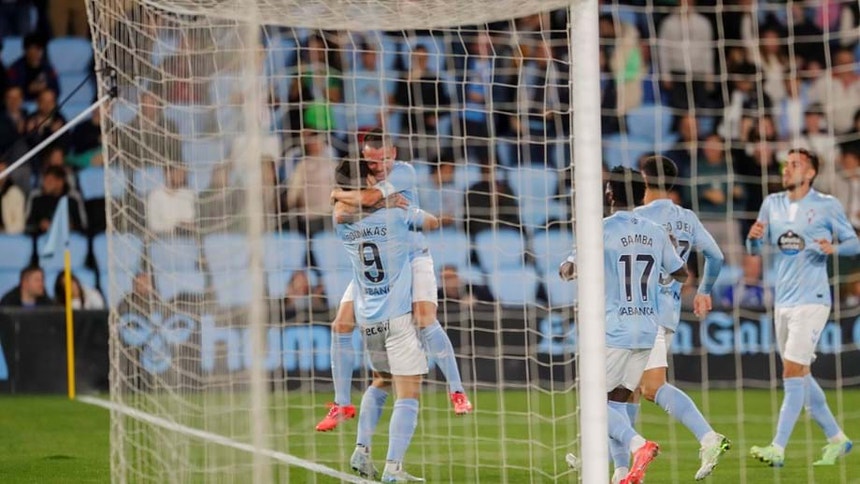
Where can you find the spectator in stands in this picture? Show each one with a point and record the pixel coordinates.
(423, 100)
(850, 294)
(758, 171)
(716, 193)
(187, 72)
(610, 119)
(624, 59)
(317, 84)
(368, 89)
(791, 109)
(309, 189)
(839, 91)
(818, 138)
(15, 18)
(46, 120)
(42, 203)
(749, 292)
(302, 301)
(490, 203)
(170, 208)
(807, 37)
(478, 79)
(149, 136)
(454, 289)
(83, 297)
(219, 202)
(13, 119)
(846, 187)
(33, 72)
(68, 18)
(540, 121)
(86, 142)
(439, 195)
(743, 105)
(686, 56)
(11, 205)
(143, 298)
(685, 150)
(30, 291)
(771, 59)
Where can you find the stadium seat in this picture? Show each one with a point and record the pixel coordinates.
(329, 252)
(122, 112)
(85, 276)
(226, 252)
(9, 280)
(550, 248)
(13, 49)
(621, 150)
(91, 182)
(535, 215)
(466, 175)
(17, 252)
(175, 255)
(335, 283)
(284, 251)
(84, 96)
(203, 152)
(651, 122)
(116, 289)
(449, 247)
(536, 184)
(191, 121)
(561, 293)
(70, 55)
(145, 179)
(200, 177)
(170, 285)
(128, 252)
(499, 249)
(232, 289)
(78, 248)
(514, 287)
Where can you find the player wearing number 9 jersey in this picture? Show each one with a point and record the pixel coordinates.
(378, 248)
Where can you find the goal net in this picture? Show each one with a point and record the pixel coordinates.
(225, 272)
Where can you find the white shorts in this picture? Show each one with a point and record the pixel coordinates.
(423, 282)
(393, 347)
(624, 367)
(797, 331)
(659, 357)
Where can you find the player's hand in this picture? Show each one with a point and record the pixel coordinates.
(567, 271)
(757, 230)
(335, 195)
(398, 200)
(702, 305)
(826, 246)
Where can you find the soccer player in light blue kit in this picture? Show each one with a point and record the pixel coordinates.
(804, 227)
(688, 234)
(378, 248)
(392, 178)
(635, 253)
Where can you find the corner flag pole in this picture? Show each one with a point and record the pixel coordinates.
(70, 323)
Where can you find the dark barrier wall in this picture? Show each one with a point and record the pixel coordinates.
(512, 345)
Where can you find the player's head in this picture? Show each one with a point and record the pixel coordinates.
(379, 152)
(350, 175)
(625, 189)
(659, 172)
(800, 169)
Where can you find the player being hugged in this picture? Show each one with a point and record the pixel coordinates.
(804, 227)
(635, 252)
(378, 249)
(391, 178)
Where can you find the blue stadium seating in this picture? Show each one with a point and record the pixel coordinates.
(122, 111)
(284, 251)
(621, 150)
(533, 183)
(13, 49)
(70, 55)
(191, 121)
(203, 152)
(226, 253)
(499, 249)
(650, 122)
(335, 283)
(550, 248)
(232, 289)
(514, 287)
(128, 253)
(8, 280)
(175, 255)
(78, 249)
(561, 293)
(85, 94)
(169, 285)
(449, 247)
(17, 251)
(114, 291)
(145, 179)
(277, 281)
(91, 182)
(536, 215)
(329, 252)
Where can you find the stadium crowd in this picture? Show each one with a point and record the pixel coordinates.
(483, 112)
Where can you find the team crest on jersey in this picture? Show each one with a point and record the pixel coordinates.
(790, 243)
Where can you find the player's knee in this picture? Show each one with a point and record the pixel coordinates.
(791, 369)
(649, 390)
(619, 394)
(424, 313)
(651, 382)
(341, 325)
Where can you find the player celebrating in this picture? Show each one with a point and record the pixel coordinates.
(801, 224)
(635, 251)
(382, 282)
(684, 227)
(392, 178)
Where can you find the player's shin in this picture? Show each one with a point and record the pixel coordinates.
(370, 411)
(440, 350)
(342, 361)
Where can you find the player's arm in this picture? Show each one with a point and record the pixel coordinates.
(758, 232)
(567, 269)
(366, 197)
(420, 219)
(346, 213)
(848, 244)
(714, 259)
(672, 263)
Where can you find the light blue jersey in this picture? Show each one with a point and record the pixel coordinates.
(793, 228)
(688, 234)
(403, 180)
(378, 248)
(635, 251)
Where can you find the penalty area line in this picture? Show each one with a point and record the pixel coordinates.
(221, 440)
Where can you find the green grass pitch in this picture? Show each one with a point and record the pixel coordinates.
(51, 440)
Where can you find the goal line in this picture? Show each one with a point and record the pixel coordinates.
(221, 440)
